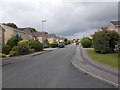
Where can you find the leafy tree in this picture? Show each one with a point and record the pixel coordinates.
(105, 41)
(13, 25)
(13, 41)
(66, 41)
(86, 43)
(87, 38)
(46, 42)
(46, 32)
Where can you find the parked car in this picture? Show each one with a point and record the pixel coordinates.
(77, 43)
(61, 45)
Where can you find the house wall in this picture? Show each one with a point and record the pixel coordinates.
(117, 29)
(1, 38)
(111, 27)
(9, 32)
(51, 40)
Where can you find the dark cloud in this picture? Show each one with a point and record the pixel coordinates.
(64, 19)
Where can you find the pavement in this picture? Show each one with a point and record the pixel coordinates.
(83, 62)
(48, 70)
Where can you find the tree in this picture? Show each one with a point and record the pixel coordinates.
(105, 41)
(13, 41)
(13, 25)
(65, 40)
(46, 42)
(86, 43)
(46, 32)
(32, 29)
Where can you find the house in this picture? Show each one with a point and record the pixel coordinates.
(61, 39)
(57, 39)
(103, 28)
(9, 32)
(1, 38)
(40, 36)
(27, 33)
(114, 26)
(51, 38)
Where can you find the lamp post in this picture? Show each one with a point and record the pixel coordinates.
(42, 32)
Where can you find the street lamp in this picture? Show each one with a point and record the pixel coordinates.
(42, 31)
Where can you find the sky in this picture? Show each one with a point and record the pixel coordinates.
(67, 18)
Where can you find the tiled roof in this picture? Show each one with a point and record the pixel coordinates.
(37, 34)
(51, 35)
(116, 23)
(5, 26)
(104, 28)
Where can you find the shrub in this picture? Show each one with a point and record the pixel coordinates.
(86, 43)
(46, 42)
(46, 46)
(31, 50)
(54, 44)
(104, 41)
(3, 55)
(13, 41)
(23, 48)
(6, 49)
(13, 53)
(36, 45)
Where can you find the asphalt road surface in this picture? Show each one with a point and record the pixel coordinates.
(49, 70)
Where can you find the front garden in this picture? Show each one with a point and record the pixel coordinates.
(106, 47)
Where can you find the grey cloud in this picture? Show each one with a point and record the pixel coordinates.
(65, 19)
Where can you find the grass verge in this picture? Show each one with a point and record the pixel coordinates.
(108, 59)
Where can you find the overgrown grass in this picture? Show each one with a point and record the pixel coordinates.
(108, 59)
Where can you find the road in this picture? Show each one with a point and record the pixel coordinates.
(49, 70)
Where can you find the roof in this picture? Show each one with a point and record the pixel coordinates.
(3, 26)
(51, 35)
(116, 23)
(37, 34)
(104, 28)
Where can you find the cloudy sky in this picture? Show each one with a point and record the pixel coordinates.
(64, 18)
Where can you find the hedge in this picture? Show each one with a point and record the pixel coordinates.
(86, 43)
(54, 44)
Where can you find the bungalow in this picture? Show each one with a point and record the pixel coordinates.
(114, 25)
(1, 38)
(51, 38)
(27, 33)
(9, 32)
(40, 36)
(57, 39)
(103, 28)
(61, 39)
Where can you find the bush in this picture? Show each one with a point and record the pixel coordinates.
(46, 46)
(6, 49)
(104, 41)
(86, 43)
(13, 41)
(13, 53)
(23, 48)
(54, 44)
(3, 55)
(36, 45)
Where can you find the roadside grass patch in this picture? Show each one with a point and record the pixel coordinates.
(108, 59)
